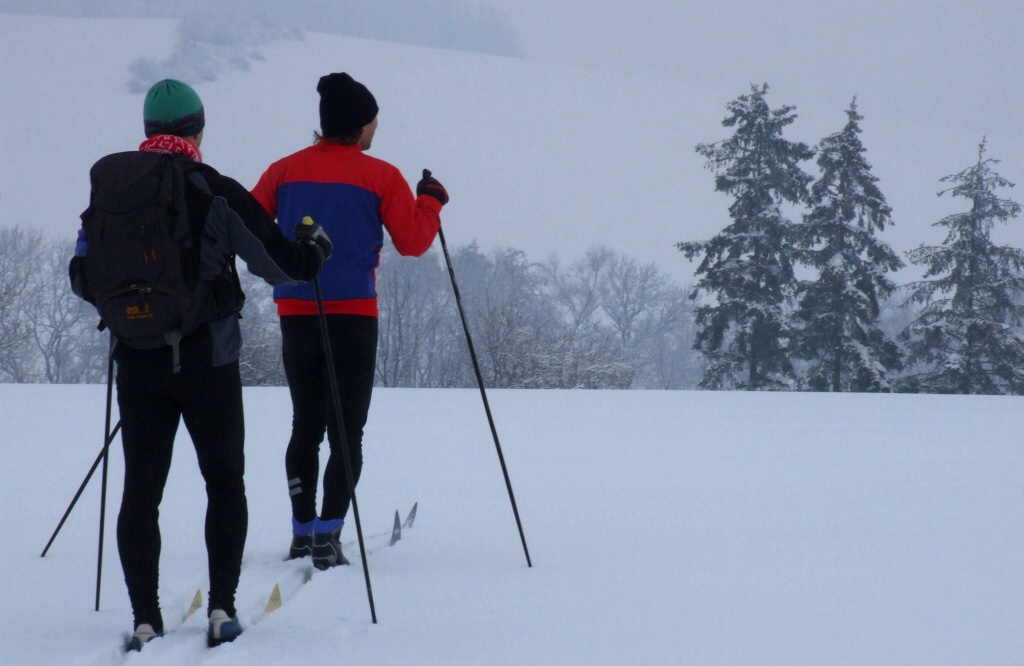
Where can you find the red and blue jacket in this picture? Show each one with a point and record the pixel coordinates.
(354, 197)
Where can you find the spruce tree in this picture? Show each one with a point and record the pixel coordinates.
(747, 268)
(838, 312)
(967, 335)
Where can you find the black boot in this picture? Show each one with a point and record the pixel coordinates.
(302, 539)
(302, 546)
(327, 544)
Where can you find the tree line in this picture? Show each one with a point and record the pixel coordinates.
(760, 327)
(608, 321)
(605, 321)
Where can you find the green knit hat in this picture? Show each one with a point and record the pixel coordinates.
(172, 107)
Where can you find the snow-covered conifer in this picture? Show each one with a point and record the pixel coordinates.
(747, 269)
(967, 337)
(838, 313)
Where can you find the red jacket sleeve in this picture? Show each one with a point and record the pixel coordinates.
(412, 222)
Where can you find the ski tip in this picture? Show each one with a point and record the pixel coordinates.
(412, 516)
(274, 602)
(396, 531)
(197, 604)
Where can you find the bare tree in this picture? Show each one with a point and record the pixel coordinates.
(630, 290)
(410, 294)
(260, 359)
(55, 315)
(663, 340)
(19, 253)
(577, 290)
(515, 321)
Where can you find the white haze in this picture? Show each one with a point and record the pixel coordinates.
(564, 149)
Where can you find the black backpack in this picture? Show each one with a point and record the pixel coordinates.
(142, 269)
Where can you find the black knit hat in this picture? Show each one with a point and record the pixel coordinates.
(345, 105)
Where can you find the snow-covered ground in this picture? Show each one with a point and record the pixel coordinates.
(664, 528)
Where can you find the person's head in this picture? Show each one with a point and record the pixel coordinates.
(173, 107)
(348, 111)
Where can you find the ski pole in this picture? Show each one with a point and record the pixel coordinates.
(81, 488)
(108, 437)
(106, 458)
(339, 421)
(480, 382)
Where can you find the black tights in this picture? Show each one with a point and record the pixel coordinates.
(354, 349)
(152, 401)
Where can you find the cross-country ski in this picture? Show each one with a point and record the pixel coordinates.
(288, 576)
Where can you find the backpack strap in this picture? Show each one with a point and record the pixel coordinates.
(173, 187)
(197, 179)
(173, 338)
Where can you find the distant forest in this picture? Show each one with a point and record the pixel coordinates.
(608, 321)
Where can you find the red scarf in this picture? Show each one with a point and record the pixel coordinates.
(173, 145)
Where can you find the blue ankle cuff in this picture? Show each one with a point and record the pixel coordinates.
(327, 526)
(302, 529)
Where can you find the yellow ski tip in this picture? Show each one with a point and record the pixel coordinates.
(197, 603)
(275, 599)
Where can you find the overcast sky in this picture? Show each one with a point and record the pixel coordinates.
(952, 51)
(671, 35)
(932, 79)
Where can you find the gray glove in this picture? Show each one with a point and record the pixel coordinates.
(313, 234)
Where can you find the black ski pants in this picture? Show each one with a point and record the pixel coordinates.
(354, 349)
(152, 400)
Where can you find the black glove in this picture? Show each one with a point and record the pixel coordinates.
(314, 235)
(430, 186)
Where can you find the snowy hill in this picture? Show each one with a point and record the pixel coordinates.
(664, 528)
(539, 157)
